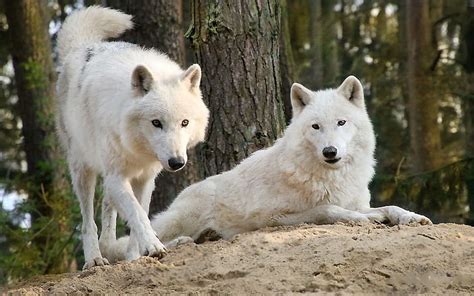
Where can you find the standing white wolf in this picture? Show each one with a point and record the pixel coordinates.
(125, 113)
(318, 172)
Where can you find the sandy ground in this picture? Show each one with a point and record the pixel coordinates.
(328, 259)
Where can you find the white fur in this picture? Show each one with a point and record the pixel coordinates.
(290, 182)
(108, 95)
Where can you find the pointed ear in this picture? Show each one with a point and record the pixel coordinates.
(352, 89)
(142, 80)
(300, 97)
(192, 77)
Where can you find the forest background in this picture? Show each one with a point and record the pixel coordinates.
(415, 59)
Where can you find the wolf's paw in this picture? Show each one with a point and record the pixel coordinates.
(182, 240)
(413, 218)
(359, 218)
(153, 248)
(376, 217)
(97, 261)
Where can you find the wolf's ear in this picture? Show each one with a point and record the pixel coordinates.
(352, 89)
(300, 97)
(192, 77)
(142, 80)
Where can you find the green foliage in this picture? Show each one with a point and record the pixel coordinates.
(441, 194)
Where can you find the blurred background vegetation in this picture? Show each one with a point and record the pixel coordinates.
(415, 59)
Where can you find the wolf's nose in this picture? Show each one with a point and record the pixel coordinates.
(176, 163)
(330, 152)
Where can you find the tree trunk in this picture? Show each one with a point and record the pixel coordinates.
(316, 30)
(467, 53)
(158, 24)
(287, 63)
(237, 46)
(422, 104)
(329, 45)
(34, 75)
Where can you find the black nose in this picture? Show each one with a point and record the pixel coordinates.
(176, 163)
(330, 152)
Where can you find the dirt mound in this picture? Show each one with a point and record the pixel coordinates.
(284, 260)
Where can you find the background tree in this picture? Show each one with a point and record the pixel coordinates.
(423, 105)
(45, 184)
(237, 46)
(287, 63)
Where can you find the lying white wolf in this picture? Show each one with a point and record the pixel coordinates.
(318, 172)
(125, 113)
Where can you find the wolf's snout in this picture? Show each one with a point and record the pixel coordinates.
(330, 152)
(176, 163)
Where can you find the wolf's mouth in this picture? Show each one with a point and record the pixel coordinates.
(332, 160)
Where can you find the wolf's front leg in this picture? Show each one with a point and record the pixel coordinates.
(120, 190)
(396, 215)
(324, 214)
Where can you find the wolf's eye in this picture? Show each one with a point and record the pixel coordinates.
(315, 126)
(184, 123)
(157, 123)
(341, 122)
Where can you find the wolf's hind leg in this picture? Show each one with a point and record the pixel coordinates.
(396, 215)
(142, 188)
(109, 227)
(325, 214)
(83, 180)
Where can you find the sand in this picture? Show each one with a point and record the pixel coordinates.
(328, 259)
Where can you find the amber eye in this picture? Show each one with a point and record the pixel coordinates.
(341, 122)
(315, 126)
(157, 123)
(184, 123)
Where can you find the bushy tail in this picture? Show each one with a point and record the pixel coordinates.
(91, 25)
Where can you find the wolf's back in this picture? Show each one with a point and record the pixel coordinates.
(91, 25)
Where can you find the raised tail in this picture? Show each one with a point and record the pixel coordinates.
(91, 25)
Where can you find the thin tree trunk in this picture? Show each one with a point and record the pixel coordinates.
(34, 75)
(158, 24)
(331, 68)
(467, 53)
(237, 45)
(422, 104)
(287, 63)
(316, 30)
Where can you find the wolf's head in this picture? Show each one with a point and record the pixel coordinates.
(168, 115)
(334, 123)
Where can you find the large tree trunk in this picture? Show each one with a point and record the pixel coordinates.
(158, 24)
(422, 102)
(237, 45)
(34, 75)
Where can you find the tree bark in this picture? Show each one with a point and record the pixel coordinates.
(237, 46)
(422, 104)
(34, 75)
